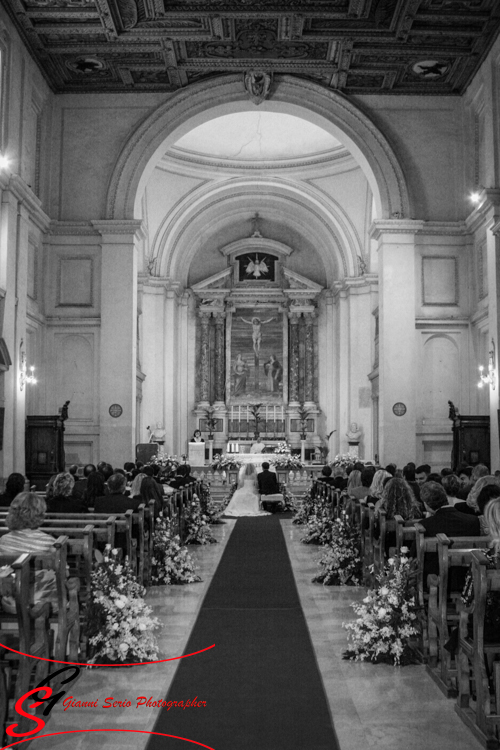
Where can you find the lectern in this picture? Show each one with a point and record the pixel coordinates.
(197, 454)
(44, 444)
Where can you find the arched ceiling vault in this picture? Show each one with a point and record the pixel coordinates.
(211, 210)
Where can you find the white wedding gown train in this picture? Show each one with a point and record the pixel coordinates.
(245, 501)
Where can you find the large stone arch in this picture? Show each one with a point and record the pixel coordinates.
(209, 99)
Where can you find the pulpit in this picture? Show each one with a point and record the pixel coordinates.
(471, 440)
(44, 448)
(196, 454)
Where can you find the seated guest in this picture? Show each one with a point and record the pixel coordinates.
(422, 472)
(26, 514)
(480, 470)
(339, 478)
(73, 470)
(377, 485)
(391, 468)
(446, 472)
(443, 519)
(470, 505)
(13, 486)
(359, 493)
(129, 468)
(80, 488)
(189, 477)
(62, 500)
(105, 469)
(451, 486)
(325, 476)
(353, 481)
(487, 493)
(135, 489)
(116, 501)
(151, 491)
(409, 475)
(179, 479)
(397, 499)
(95, 488)
(434, 477)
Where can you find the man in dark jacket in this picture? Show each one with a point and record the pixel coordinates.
(268, 485)
(116, 501)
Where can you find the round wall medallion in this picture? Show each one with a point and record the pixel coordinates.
(115, 410)
(399, 409)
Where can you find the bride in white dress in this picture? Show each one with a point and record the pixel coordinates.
(245, 501)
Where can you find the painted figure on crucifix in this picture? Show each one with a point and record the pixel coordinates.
(257, 324)
(240, 370)
(274, 374)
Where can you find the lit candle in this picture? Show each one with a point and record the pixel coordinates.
(239, 418)
(265, 425)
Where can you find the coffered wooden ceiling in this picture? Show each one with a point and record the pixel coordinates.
(354, 46)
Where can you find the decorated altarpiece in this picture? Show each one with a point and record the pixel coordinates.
(257, 345)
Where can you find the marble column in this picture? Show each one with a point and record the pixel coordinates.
(293, 362)
(205, 359)
(309, 359)
(220, 370)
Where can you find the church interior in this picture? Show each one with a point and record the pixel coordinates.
(269, 222)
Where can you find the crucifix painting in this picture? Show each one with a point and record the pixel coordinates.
(256, 356)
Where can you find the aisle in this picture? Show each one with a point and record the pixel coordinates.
(261, 683)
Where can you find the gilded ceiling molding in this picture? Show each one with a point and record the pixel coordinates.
(150, 140)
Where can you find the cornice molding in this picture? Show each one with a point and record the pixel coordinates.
(73, 228)
(114, 230)
(486, 212)
(381, 227)
(25, 195)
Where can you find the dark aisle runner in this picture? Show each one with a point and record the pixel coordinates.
(260, 682)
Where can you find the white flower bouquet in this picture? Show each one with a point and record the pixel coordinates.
(119, 622)
(387, 616)
(341, 563)
(171, 562)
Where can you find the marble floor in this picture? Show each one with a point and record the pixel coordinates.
(372, 706)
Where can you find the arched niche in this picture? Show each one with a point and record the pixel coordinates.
(195, 105)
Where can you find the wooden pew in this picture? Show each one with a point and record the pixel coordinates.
(482, 716)
(444, 605)
(26, 631)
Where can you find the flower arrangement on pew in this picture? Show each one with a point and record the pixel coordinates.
(171, 562)
(288, 499)
(208, 507)
(341, 563)
(196, 524)
(319, 525)
(387, 616)
(306, 510)
(120, 625)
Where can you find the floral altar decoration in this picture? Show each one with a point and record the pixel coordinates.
(196, 524)
(171, 562)
(387, 616)
(341, 562)
(344, 460)
(119, 623)
(223, 463)
(282, 458)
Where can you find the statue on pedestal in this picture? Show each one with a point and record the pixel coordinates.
(158, 434)
(353, 437)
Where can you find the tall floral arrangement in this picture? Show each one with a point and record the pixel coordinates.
(306, 510)
(196, 524)
(208, 507)
(120, 625)
(171, 561)
(387, 616)
(341, 563)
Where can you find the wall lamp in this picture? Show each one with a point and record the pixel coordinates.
(23, 370)
(491, 377)
(4, 162)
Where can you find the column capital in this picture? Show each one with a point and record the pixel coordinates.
(293, 317)
(399, 227)
(119, 231)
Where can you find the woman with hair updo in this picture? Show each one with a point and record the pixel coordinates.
(377, 485)
(62, 500)
(26, 513)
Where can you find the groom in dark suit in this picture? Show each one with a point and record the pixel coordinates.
(268, 485)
